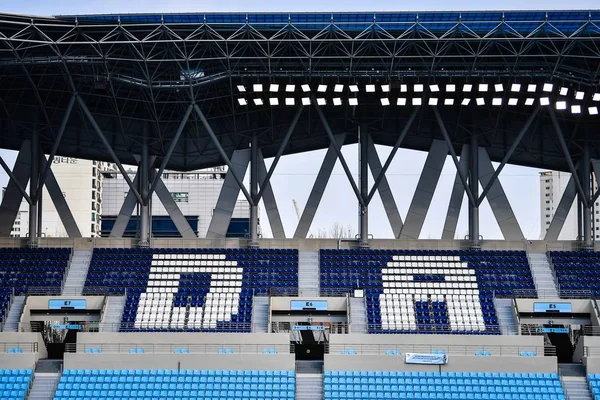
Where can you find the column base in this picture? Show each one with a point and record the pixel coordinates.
(363, 244)
(585, 245)
(33, 243)
(253, 244)
(143, 243)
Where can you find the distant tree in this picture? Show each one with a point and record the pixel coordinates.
(337, 230)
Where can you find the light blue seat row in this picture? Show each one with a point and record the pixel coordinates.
(182, 351)
(483, 353)
(136, 351)
(527, 354)
(349, 352)
(92, 351)
(393, 352)
(359, 385)
(172, 384)
(14, 383)
(15, 351)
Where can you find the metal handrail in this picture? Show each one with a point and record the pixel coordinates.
(170, 348)
(26, 347)
(464, 350)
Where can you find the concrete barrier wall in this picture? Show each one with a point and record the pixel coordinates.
(439, 340)
(18, 361)
(592, 365)
(301, 244)
(25, 337)
(455, 364)
(184, 338)
(179, 361)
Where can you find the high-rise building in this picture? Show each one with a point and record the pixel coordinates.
(81, 185)
(195, 193)
(552, 186)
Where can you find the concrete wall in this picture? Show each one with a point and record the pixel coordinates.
(302, 244)
(183, 338)
(455, 364)
(577, 305)
(333, 303)
(179, 361)
(15, 338)
(18, 361)
(94, 303)
(465, 345)
(592, 365)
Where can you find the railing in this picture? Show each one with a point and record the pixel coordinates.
(145, 327)
(330, 327)
(463, 350)
(7, 310)
(445, 330)
(574, 294)
(26, 347)
(589, 330)
(170, 348)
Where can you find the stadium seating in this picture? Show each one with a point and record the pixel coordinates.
(14, 384)
(172, 384)
(576, 271)
(23, 269)
(594, 382)
(191, 289)
(441, 385)
(428, 291)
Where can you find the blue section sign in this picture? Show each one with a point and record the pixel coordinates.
(554, 330)
(308, 328)
(66, 326)
(313, 305)
(552, 307)
(67, 304)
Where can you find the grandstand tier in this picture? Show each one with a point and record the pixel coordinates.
(191, 289)
(441, 385)
(176, 384)
(22, 270)
(576, 272)
(14, 383)
(428, 291)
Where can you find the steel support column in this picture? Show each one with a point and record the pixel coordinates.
(419, 206)
(118, 229)
(59, 201)
(503, 212)
(11, 201)
(316, 194)
(144, 181)
(163, 194)
(33, 184)
(474, 187)
(586, 177)
(562, 211)
(230, 191)
(363, 162)
(268, 198)
(385, 192)
(254, 191)
(456, 197)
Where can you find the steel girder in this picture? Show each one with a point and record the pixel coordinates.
(131, 70)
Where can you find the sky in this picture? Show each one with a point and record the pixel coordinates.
(295, 174)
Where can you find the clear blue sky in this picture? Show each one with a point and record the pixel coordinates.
(295, 174)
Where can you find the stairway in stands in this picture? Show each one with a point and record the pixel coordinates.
(506, 317)
(308, 273)
(358, 315)
(78, 269)
(542, 276)
(260, 314)
(309, 380)
(44, 385)
(574, 381)
(111, 319)
(11, 323)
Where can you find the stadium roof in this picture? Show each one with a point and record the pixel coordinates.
(137, 75)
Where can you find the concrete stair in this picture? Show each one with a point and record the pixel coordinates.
(308, 273)
(78, 269)
(111, 319)
(542, 276)
(576, 388)
(358, 315)
(309, 380)
(506, 317)
(260, 314)
(44, 385)
(11, 323)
